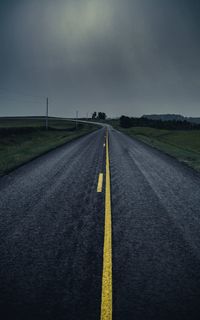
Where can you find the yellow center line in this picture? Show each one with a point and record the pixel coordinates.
(100, 183)
(106, 297)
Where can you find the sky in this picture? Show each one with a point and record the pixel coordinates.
(130, 57)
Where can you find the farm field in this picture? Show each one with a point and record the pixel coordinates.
(22, 139)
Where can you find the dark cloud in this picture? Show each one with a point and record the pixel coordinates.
(130, 56)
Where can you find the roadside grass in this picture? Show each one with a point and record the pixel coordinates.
(22, 140)
(184, 145)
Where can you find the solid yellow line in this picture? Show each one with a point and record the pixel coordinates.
(106, 298)
(100, 183)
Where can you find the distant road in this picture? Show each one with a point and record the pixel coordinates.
(52, 225)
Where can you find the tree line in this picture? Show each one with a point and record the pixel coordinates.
(128, 122)
(99, 116)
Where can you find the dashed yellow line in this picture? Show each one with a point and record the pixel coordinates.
(106, 297)
(100, 183)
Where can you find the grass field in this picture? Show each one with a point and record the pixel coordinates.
(183, 145)
(24, 139)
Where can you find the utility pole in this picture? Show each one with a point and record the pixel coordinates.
(76, 120)
(47, 113)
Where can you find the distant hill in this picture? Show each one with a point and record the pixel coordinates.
(171, 117)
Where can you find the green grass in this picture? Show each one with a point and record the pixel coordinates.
(183, 145)
(24, 139)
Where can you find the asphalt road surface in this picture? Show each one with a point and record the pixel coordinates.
(52, 227)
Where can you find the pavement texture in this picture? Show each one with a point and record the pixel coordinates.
(52, 234)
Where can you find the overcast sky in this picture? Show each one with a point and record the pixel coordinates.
(119, 56)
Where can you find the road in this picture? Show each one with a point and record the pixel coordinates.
(129, 251)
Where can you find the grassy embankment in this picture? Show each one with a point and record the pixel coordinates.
(184, 145)
(24, 139)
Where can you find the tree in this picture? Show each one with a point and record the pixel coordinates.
(101, 115)
(94, 115)
(125, 122)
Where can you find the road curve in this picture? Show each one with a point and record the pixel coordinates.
(52, 234)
